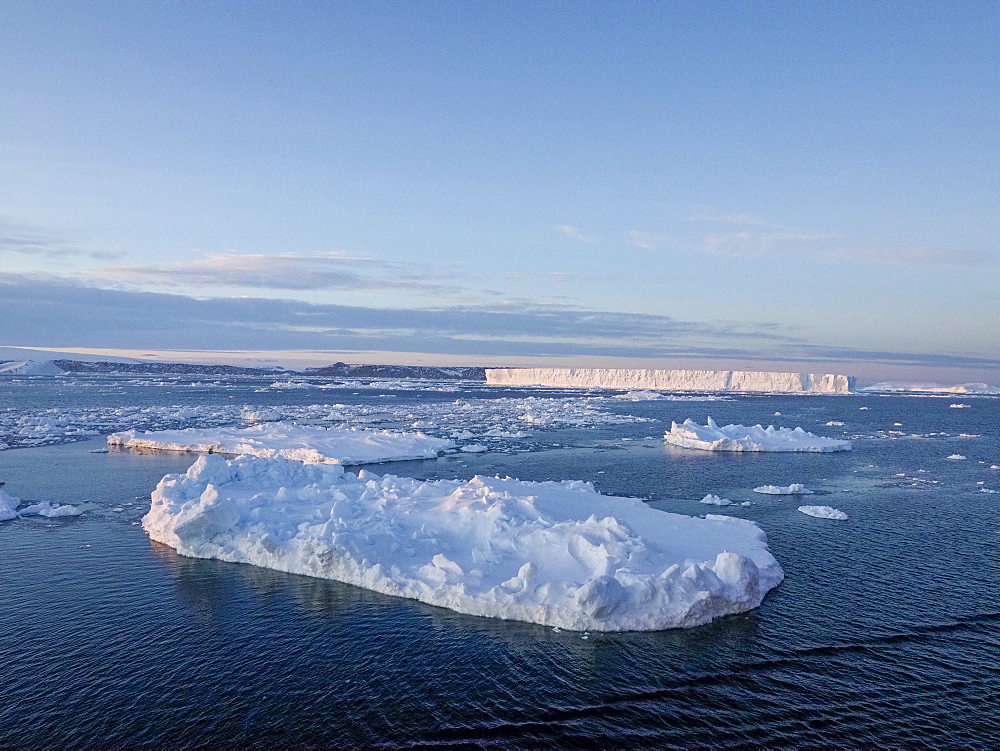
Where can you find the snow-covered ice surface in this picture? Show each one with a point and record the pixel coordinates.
(8, 506)
(305, 443)
(672, 380)
(711, 437)
(823, 512)
(717, 500)
(49, 509)
(554, 553)
(29, 368)
(796, 488)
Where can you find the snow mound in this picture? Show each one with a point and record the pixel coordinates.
(8, 506)
(304, 443)
(711, 437)
(45, 508)
(30, 367)
(554, 553)
(796, 488)
(823, 512)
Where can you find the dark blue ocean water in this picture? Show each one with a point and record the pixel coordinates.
(886, 631)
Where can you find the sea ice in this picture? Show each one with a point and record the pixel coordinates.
(46, 508)
(8, 506)
(718, 500)
(796, 488)
(711, 437)
(823, 512)
(960, 406)
(304, 443)
(955, 457)
(554, 553)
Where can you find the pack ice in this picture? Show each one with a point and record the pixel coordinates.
(304, 443)
(553, 553)
(711, 437)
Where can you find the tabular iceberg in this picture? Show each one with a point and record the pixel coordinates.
(552, 553)
(304, 443)
(711, 437)
(673, 380)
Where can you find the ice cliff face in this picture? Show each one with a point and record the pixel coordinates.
(673, 380)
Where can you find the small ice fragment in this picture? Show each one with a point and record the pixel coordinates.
(955, 457)
(959, 406)
(474, 448)
(716, 500)
(796, 488)
(50, 510)
(98, 451)
(823, 512)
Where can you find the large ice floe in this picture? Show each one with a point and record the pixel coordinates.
(796, 488)
(553, 553)
(673, 380)
(711, 437)
(305, 443)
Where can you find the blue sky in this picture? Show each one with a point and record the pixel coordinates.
(739, 184)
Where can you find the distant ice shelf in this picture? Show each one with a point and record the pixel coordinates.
(554, 553)
(304, 443)
(906, 387)
(711, 437)
(673, 380)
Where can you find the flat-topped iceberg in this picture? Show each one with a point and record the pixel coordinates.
(673, 380)
(553, 553)
(304, 443)
(711, 437)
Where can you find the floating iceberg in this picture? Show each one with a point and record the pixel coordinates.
(554, 553)
(823, 512)
(955, 457)
(304, 443)
(51, 510)
(672, 380)
(711, 437)
(8, 506)
(717, 500)
(796, 488)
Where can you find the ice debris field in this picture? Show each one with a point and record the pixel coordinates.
(304, 443)
(499, 423)
(553, 553)
(711, 437)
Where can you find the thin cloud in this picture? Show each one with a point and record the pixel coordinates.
(743, 219)
(332, 270)
(647, 240)
(575, 233)
(831, 247)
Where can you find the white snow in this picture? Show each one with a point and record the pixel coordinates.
(304, 443)
(46, 508)
(796, 488)
(8, 506)
(671, 380)
(823, 512)
(955, 457)
(711, 437)
(554, 553)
